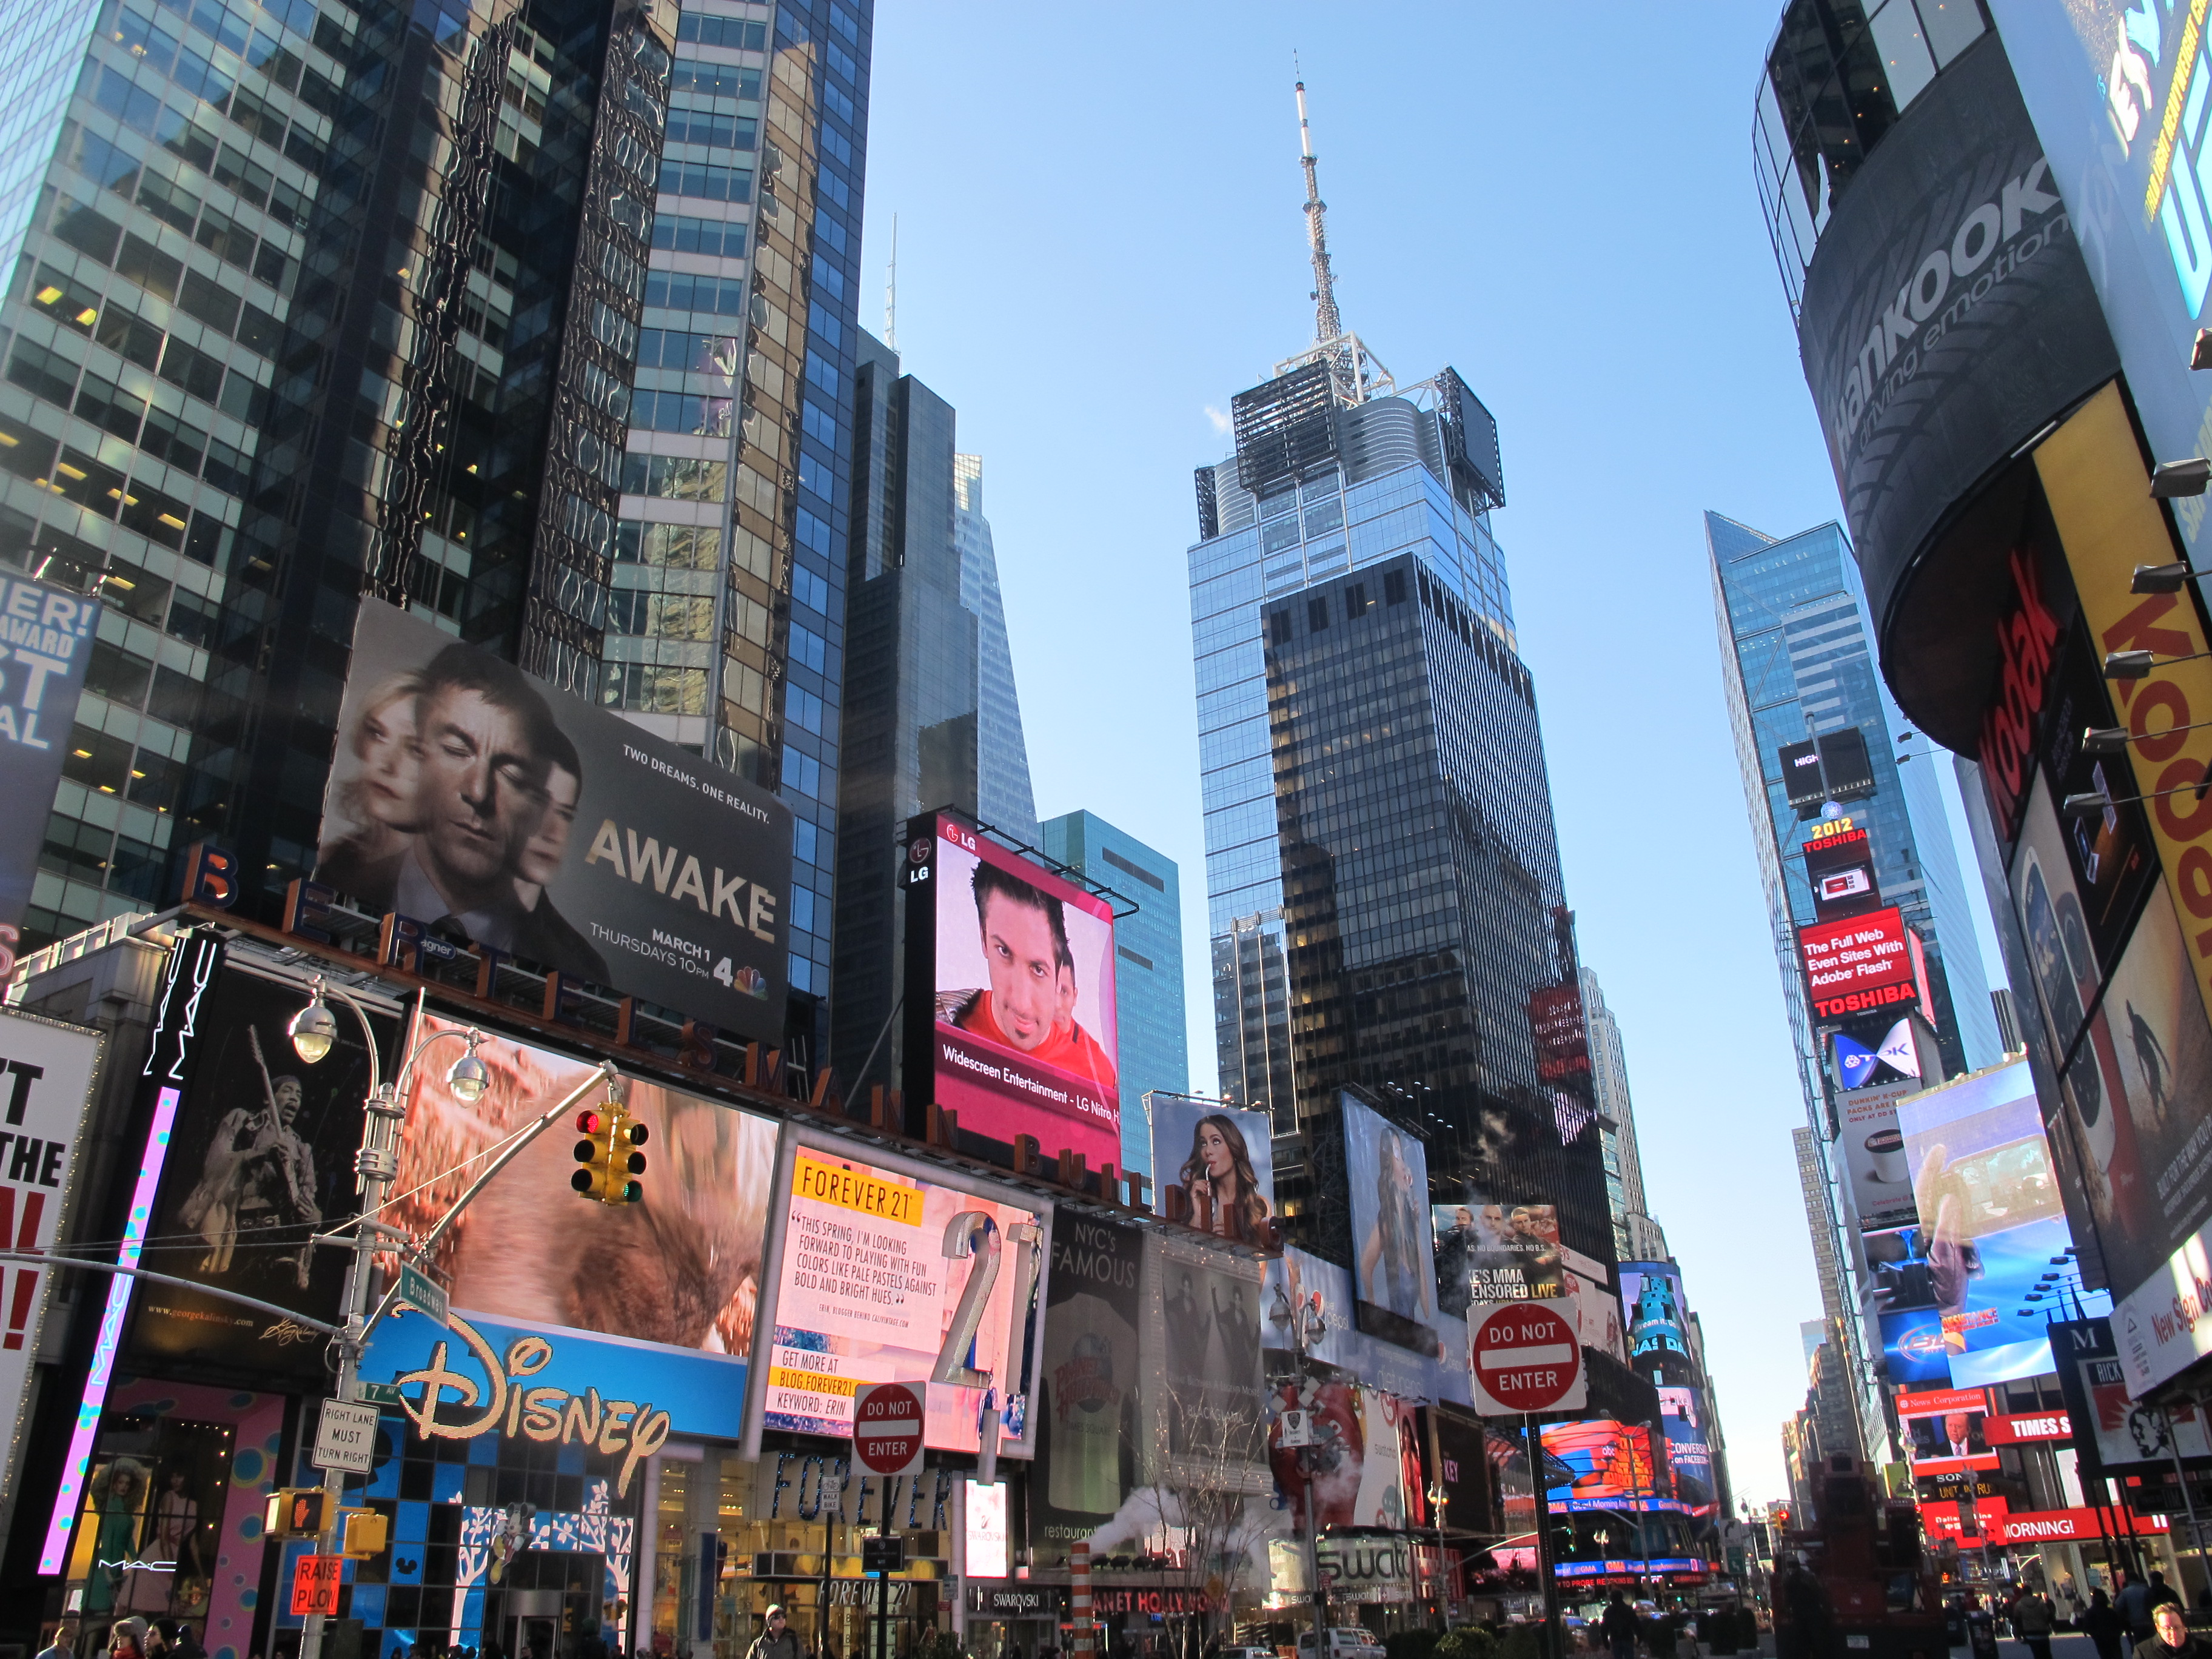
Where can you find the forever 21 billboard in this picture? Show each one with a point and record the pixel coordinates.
(465, 793)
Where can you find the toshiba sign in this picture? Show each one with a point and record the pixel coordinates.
(1861, 964)
(2059, 1526)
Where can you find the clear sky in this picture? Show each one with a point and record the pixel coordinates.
(1100, 242)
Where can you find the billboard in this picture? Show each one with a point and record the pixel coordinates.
(1876, 1172)
(467, 792)
(1862, 963)
(1597, 1460)
(1363, 1464)
(1946, 314)
(1010, 994)
(2109, 84)
(2114, 1435)
(1560, 1032)
(1689, 1448)
(50, 1068)
(864, 1287)
(1222, 1160)
(1839, 869)
(1658, 1321)
(1394, 1267)
(260, 1159)
(1487, 1252)
(1990, 1221)
(679, 1275)
(1089, 1443)
(51, 631)
(1206, 1317)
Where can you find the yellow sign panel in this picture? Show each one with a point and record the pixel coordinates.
(866, 1192)
(2099, 494)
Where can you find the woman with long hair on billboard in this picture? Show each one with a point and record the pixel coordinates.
(378, 800)
(1220, 1180)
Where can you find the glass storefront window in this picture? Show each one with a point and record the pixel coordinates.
(146, 1539)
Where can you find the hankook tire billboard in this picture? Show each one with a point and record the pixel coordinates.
(1948, 316)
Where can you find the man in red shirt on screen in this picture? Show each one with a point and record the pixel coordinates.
(1030, 1005)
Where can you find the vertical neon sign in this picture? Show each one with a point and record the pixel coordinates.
(67, 1495)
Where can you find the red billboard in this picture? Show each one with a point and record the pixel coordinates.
(1556, 1021)
(1862, 964)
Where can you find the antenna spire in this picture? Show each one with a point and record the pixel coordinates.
(1327, 323)
(890, 291)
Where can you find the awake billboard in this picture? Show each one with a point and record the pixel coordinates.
(467, 793)
(1010, 1012)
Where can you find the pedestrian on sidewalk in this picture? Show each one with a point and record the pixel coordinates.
(2032, 1619)
(2103, 1625)
(2172, 1640)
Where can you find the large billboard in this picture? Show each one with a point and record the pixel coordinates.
(1362, 1464)
(1206, 1317)
(1658, 1321)
(2115, 88)
(1946, 313)
(50, 633)
(1876, 1173)
(49, 1067)
(2114, 1435)
(1010, 994)
(1222, 1160)
(1488, 1253)
(867, 1281)
(467, 793)
(1595, 1460)
(680, 1271)
(1090, 1442)
(1863, 964)
(1393, 1256)
(260, 1160)
(1990, 1224)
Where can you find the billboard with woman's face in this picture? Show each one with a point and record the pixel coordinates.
(1222, 1158)
(1392, 1265)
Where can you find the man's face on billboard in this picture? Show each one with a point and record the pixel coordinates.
(288, 1101)
(479, 793)
(1026, 976)
(1955, 1425)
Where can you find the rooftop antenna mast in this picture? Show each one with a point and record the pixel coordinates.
(890, 291)
(1355, 375)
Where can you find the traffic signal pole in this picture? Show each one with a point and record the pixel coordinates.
(376, 1164)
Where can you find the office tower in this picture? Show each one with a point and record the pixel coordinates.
(1148, 989)
(1379, 835)
(1003, 795)
(1847, 1336)
(310, 301)
(1624, 1159)
(930, 717)
(1797, 666)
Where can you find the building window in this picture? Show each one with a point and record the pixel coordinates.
(1279, 627)
(1394, 587)
(1355, 600)
(1316, 615)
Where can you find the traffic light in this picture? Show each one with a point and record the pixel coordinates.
(609, 1156)
(366, 1532)
(296, 1512)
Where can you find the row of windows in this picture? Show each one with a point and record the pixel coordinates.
(703, 79)
(677, 233)
(135, 340)
(730, 33)
(707, 183)
(165, 434)
(680, 411)
(115, 169)
(155, 46)
(85, 852)
(678, 290)
(694, 353)
(676, 477)
(76, 476)
(721, 130)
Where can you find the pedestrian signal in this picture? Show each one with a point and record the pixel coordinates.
(296, 1512)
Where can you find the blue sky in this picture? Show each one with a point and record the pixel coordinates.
(1100, 242)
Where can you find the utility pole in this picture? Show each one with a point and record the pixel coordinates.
(313, 1031)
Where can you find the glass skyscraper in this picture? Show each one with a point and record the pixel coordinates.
(1797, 662)
(1382, 870)
(539, 322)
(1152, 1026)
(1624, 1158)
(931, 716)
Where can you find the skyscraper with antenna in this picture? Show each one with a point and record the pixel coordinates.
(1382, 874)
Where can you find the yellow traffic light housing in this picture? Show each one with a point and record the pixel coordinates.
(366, 1532)
(608, 1155)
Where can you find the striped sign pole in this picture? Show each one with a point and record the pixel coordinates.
(1078, 1597)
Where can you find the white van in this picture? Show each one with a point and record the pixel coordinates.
(1346, 1642)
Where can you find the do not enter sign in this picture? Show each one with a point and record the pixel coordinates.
(887, 1428)
(1525, 1357)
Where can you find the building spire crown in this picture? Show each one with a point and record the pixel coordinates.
(1355, 375)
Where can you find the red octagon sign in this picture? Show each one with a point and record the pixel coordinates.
(1527, 1357)
(887, 1428)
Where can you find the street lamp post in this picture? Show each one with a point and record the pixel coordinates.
(313, 1031)
(1307, 1325)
